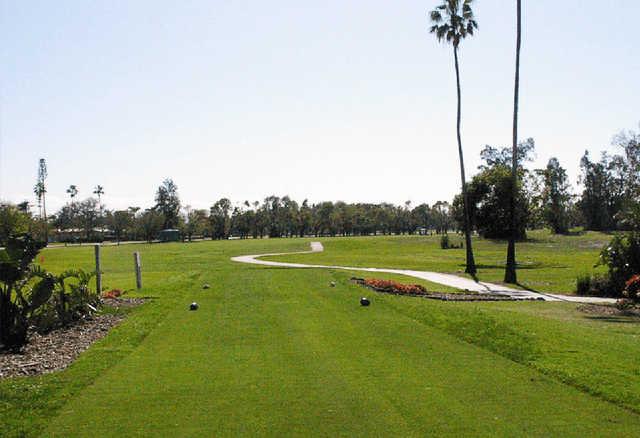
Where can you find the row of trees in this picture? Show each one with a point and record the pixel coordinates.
(89, 220)
(609, 198)
(273, 217)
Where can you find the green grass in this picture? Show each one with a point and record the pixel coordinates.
(278, 352)
(546, 262)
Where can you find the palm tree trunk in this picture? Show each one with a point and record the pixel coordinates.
(44, 214)
(510, 275)
(471, 264)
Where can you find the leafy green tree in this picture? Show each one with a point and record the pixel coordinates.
(168, 203)
(453, 21)
(603, 192)
(120, 221)
(323, 224)
(195, 222)
(88, 216)
(442, 217)
(489, 193)
(241, 220)
(304, 219)
(422, 216)
(65, 217)
(220, 219)
(288, 216)
(150, 223)
(629, 143)
(13, 221)
(556, 197)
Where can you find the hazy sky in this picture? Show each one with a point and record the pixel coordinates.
(326, 100)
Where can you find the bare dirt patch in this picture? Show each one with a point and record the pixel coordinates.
(609, 310)
(58, 349)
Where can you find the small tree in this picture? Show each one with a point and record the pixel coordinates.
(220, 219)
(555, 196)
(149, 223)
(168, 203)
(120, 221)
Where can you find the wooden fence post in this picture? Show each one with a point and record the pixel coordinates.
(96, 249)
(138, 267)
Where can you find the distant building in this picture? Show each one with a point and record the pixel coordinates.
(169, 235)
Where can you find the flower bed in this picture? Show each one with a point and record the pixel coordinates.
(416, 290)
(394, 287)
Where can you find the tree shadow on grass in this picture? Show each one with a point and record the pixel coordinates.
(616, 319)
(528, 266)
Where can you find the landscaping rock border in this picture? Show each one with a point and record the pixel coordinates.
(59, 348)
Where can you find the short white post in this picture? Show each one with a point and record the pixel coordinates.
(138, 267)
(96, 249)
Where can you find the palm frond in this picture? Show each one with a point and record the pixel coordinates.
(453, 21)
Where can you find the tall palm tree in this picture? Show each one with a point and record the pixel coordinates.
(40, 190)
(510, 275)
(72, 191)
(453, 21)
(99, 191)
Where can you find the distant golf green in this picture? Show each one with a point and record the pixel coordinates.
(276, 351)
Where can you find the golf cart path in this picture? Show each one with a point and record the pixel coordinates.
(435, 277)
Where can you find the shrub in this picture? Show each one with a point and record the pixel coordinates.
(583, 284)
(71, 299)
(622, 258)
(632, 289)
(596, 285)
(24, 288)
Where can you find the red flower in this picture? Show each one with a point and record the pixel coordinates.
(112, 294)
(395, 287)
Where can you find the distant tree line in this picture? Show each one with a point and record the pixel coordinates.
(87, 220)
(608, 199)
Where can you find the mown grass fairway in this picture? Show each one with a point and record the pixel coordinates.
(546, 262)
(279, 352)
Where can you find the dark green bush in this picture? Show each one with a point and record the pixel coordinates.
(24, 288)
(72, 300)
(596, 286)
(622, 258)
(30, 296)
(583, 284)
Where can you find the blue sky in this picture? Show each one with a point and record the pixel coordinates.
(350, 100)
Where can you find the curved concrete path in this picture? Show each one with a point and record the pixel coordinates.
(435, 277)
